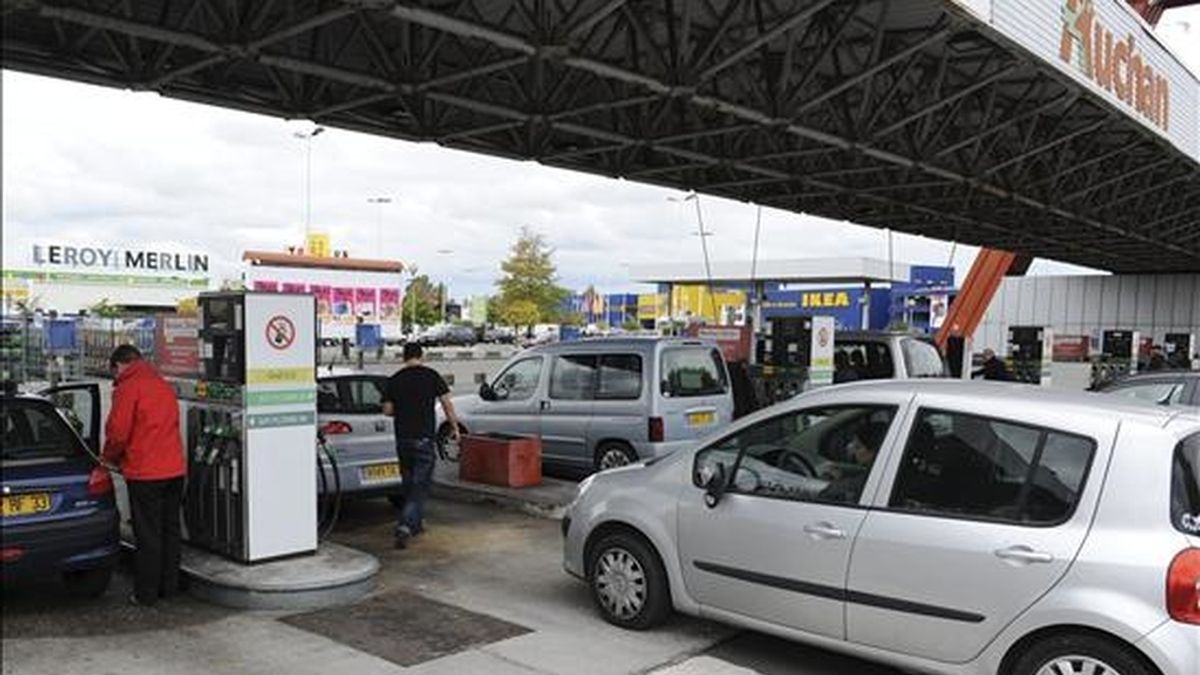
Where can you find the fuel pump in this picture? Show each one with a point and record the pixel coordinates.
(1030, 349)
(792, 355)
(250, 427)
(1118, 356)
(1179, 349)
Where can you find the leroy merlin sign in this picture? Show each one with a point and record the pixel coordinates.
(117, 259)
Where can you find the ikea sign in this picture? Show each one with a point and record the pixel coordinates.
(825, 300)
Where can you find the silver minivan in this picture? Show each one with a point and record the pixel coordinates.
(606, 402)
(936, 525)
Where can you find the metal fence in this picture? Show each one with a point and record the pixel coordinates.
(38, 348)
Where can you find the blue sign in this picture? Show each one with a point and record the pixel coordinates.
(845, 305)
(368, 335)
(61, 335)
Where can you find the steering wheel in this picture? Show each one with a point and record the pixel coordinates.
(790, 460)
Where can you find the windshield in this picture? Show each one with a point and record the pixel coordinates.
(1185, 486)
(693, 371)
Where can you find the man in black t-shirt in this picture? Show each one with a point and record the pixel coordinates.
(408, 400)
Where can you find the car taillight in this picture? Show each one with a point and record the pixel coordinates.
(336, 427)
(100, 483)
(11, 554)
(657, 435)
(1183, 587)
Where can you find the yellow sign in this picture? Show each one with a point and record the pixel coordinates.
(301, 375)
(318, 244)
(825, 299)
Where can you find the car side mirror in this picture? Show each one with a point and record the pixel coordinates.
(486, 392)
(714, 489)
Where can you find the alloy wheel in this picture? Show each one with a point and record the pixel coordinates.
(613, 458)
(1076, 665)
(620, 583)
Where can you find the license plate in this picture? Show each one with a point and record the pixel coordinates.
(701, 419)
(379, 472)
(24, 505)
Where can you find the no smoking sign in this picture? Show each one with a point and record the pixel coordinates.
(281, 332)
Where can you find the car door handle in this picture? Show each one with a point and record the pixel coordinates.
(824, 531)
(1024, 554)
(544, 405)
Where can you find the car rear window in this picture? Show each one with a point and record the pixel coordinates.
(1185, 486)
(33, 431)
(869, 360)
(693, 371)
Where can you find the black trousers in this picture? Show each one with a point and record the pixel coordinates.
(155, 509)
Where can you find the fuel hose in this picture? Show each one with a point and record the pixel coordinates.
(331, 505)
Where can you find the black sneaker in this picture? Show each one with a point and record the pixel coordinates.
(402, 537)
(135, 602)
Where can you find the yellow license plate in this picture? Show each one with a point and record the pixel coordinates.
(701, 419)
(379, 472)
(24, 505)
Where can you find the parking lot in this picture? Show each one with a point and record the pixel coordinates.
(482, 591)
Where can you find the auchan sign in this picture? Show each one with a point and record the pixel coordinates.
(1104, 46)
(1114, 62)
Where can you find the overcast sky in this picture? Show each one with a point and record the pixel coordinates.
(89, 165)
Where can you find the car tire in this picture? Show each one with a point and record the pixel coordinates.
(88, 583)
(612, 454)
(1072, 653)
(628, 582)
(447, 449)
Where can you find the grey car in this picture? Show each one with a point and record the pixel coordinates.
(939, 526)
(350, 415)
(606, 402)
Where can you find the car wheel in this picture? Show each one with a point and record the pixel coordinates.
(613, 455)
(88, 583)
(1079, 654)
(448, 449)
(629, 584)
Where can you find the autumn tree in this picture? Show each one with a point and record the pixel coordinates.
(529, 290)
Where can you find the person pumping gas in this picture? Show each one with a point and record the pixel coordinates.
(142, 439)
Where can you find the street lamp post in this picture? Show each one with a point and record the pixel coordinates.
(307, 137)
(704, 235)
(379, 202)
(442, 286)
(412, 322)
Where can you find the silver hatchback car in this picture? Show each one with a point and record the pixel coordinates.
(939, 526)
(350, 415)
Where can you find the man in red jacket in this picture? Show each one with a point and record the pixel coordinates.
(142, 437)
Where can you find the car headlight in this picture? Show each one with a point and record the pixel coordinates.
(584, 485)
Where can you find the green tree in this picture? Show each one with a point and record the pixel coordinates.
(104, 309)
(520, 313)
(529, 292)
(422, 299)
(494, 316)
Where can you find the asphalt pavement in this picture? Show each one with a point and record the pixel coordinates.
(482, 591)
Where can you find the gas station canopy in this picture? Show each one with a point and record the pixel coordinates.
(1055, 128)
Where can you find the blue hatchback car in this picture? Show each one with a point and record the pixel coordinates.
(58, 512)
